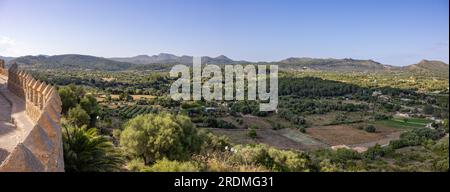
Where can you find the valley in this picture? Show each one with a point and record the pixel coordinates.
(360, 117)
(333, 115)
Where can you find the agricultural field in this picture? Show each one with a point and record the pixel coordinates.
(404, 123)
(101, 98)
(350, 135)
(128, 112)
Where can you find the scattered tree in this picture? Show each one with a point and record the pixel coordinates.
(156, 136)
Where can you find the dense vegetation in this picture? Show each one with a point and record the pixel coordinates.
(125, 121)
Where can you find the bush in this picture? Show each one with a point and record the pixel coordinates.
(381, 117)
(374, 152)
(216, 143)
(252, 133)
(288, 161)
(271, 158)
(302, 130)
(165, 165)
(156, 136)
(397, 144)
(70, 96)
(370, 129)
(78, 116)
(342, 155)
(416, 136)
(218, 123)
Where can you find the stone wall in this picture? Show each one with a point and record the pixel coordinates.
(3, 70)
(41, 149)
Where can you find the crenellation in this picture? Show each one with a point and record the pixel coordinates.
(3, 70)
(42, 149)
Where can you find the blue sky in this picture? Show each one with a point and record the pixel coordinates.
(396, 32)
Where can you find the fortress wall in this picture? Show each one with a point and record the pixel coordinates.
(3, 70)
(42, 149)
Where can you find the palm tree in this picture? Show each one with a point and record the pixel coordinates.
(86, 151)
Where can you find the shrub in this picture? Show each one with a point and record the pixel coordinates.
(370, 129)
(271, 158)
(288, 161)
(416, 136)
(254, 127)
(156, 136)
(165, 165)
(381, 117)
(218, 123)
(216, 143)
(252, 133)
(374, 152)
(78, 116)
(343, 155)
(302, 130)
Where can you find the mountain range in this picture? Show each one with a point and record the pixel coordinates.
(164, 61)
(165, 58)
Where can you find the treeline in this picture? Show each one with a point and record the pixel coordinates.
(152, 83)
(317, 106)
(314, 87)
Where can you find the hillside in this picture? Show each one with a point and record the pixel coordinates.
(165, 58)
(6, 59)
(70, 62)
(430, 67)
(331, 64)
(164, 61)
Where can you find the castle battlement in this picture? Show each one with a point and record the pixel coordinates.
(35, 113)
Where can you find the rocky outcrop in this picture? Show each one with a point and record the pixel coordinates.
(40, 146)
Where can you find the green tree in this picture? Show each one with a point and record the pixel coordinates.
(86, 151)
(90, 105)
(78, 116)
(108, 98)
(68, 98)
(370, 129)
(156, 136)
(374, 152)
(252, 133)
(125, 97)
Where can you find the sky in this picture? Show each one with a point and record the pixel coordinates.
(395, 32)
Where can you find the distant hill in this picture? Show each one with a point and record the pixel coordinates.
(164, 62)
(429, 67)
(71, 61)
(6, 59)
(290, 63)
(165, 58)
(331, 64)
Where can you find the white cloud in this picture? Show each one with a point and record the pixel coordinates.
(8, 46)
